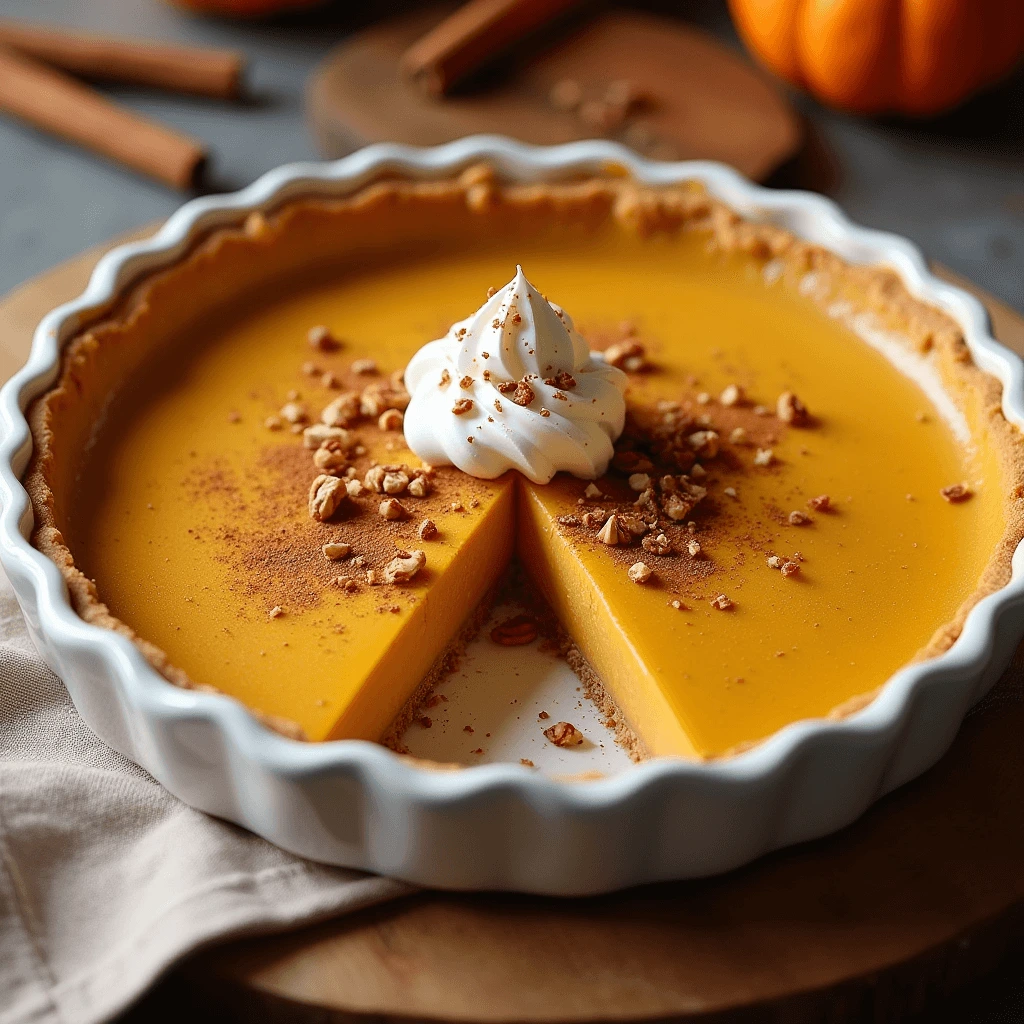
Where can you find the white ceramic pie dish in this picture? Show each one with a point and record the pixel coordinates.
(501, 826)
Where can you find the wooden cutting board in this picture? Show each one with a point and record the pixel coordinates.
(921, 895)
(707, 101)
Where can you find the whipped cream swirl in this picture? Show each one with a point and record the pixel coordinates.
(514, 386)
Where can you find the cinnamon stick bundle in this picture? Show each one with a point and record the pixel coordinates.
(200, 72)
(472, 35)
(59, 104)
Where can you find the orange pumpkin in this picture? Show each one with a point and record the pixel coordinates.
(875, 56)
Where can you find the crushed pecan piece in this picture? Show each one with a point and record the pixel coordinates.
(722, 603)
(462, 406)
(336, 550)
(321, 339)
(790, 568)
(656, 544)
(393, 509)
(391, 419)
(523, 394)
(791, 410)
(419, 486)
(564, 734)
(343, 411)
(364, 367)
(732, 395)
(427, 530)
(639, 572)
(315, 436)
(326, 494)
(404, 566)
(626, 355)
(797, 518)
(955, 494)
(822, 503)
(704, 443)
(515, 632)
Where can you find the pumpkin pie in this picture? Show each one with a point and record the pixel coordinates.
(809, 483)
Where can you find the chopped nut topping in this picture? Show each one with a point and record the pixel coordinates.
(592, 491)
(526, 762)
(315, 436)
(722, 603)
(610, 533)
(427, 530)
(693, 547)
(730, 491)
(354, 488)
(594, 518)
(343, 411)
(738, 435)
(698, 470)
(515, 632)
(626, 355)
(276, 612)
(956, 493)
(523, 394)
(404, 566)
(639, 482)
(273, 423)
(320, 338)
(310, 369)
(790, 568)
(335, 550)
(330, 380)
(564, 734)
(678, 505)
(391, 419)
(703, 398)
(632, 524)
(326, 494)
(392, 508)
(791, 410)
(395, 482)
(466, 383)
(822, 503)
(639, 572)
(565, 381)
(507, 387)
(732, 395)
(374, 479)
(446, 379)
(462, 406)
(419, 486)
(704, 443)
(764, 457)
(774, 562)
(374, 577)
(294, 412)
(797, 518)
(363, 367)
(497, 405)
(656, 544)
(761, 410)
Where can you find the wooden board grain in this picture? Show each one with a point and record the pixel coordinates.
(708, 102)
(920, 896)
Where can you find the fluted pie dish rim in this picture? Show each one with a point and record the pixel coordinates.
(502, 826)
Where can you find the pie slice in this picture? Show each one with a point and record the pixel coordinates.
(813, 486)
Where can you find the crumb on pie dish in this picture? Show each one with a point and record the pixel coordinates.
(750, 480)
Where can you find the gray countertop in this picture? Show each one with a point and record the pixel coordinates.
(956, 186)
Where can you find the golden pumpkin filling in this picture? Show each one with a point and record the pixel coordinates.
(813, 487)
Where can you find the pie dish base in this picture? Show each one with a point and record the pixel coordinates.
(501, 826)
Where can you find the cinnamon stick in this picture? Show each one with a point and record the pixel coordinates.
(65, 107)
(200, 72)
(471, 36)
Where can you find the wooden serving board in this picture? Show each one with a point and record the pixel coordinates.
(707, 102)
(921, 895)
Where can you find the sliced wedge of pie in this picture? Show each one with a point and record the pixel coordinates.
(812, 486)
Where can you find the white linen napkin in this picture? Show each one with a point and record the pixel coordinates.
(105, 878)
